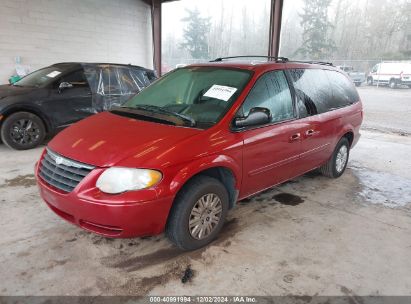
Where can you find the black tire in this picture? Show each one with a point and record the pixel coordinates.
(23, 131)
(329, 169)
(177, 228)
(393, 84)
(409, 86)
(358, 84)
(370, 81)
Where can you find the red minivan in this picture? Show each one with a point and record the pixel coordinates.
(181, 153)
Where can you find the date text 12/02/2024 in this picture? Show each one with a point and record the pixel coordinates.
(199, 299)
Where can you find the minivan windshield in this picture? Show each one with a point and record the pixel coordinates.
(199, 96)
(39, 78)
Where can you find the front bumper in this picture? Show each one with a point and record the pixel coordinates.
(116, 218)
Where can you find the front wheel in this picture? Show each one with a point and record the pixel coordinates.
(198, 213)
(336, 165)
(22, 131)
(357, 84)
(370, 81)
(393, 84)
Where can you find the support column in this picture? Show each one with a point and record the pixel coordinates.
(276, 12)
(156, 26)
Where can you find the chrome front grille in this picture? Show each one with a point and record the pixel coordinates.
(61, 172)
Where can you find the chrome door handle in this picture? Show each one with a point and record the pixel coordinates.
(309, 132)
(295, 137)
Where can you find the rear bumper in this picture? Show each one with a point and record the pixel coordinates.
(110, 220)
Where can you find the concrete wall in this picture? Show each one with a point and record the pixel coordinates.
(43, 32)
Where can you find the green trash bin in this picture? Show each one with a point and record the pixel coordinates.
(14, 79)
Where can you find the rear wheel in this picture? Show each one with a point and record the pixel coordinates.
(336, 165)
(357, 84)
(393, 84)
(22, 131)
(198, 213)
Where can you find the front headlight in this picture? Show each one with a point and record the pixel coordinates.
(117, 179)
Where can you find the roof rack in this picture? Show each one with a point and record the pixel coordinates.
(313, 62)
(278, 59)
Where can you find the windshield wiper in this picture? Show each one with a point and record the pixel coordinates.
(157, 109)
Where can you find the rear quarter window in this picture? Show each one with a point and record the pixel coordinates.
(344, 92)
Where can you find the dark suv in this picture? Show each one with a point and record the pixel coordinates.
(59, 95)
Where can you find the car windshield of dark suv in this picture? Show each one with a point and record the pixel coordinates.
(39, 78)
(193, 96)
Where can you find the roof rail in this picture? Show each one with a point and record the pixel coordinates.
(313, 62)
(282, 59)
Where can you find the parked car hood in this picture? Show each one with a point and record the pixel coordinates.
(107, 139)
(11, 90)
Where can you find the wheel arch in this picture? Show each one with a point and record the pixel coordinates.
(350, 136)
(23, 108)
(222, 168)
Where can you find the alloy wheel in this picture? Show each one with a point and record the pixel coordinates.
(205, 216)
(341, 159)
(24, 132)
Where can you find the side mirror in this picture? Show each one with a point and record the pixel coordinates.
(64, 85)
(257, 116)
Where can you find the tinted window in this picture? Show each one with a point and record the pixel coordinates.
(313, 91)
(344, 92)
(77, 79)
(271, 91)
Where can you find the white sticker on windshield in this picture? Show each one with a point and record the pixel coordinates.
(53, 74)
(220, 92)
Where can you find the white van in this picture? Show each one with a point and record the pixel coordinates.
(391, 73)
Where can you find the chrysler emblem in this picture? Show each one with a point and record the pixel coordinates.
(59, 160)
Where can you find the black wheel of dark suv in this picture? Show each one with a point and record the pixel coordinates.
(198, 213)
(22, 131)
(336, 165)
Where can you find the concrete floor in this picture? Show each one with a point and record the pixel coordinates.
(349, 236)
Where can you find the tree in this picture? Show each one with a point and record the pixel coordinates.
(196, 34)
(317, 43)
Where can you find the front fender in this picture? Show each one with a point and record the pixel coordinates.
(197, 166)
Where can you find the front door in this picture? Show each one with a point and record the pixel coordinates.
(271, 152)
(70, 104)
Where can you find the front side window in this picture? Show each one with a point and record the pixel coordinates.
(77, 79)
(271, 91)
(200, 95)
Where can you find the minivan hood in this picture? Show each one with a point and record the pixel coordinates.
(105, 139)
(11, 90)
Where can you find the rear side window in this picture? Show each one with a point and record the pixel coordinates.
(313, 91)
(271, 91)
(344, 92)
